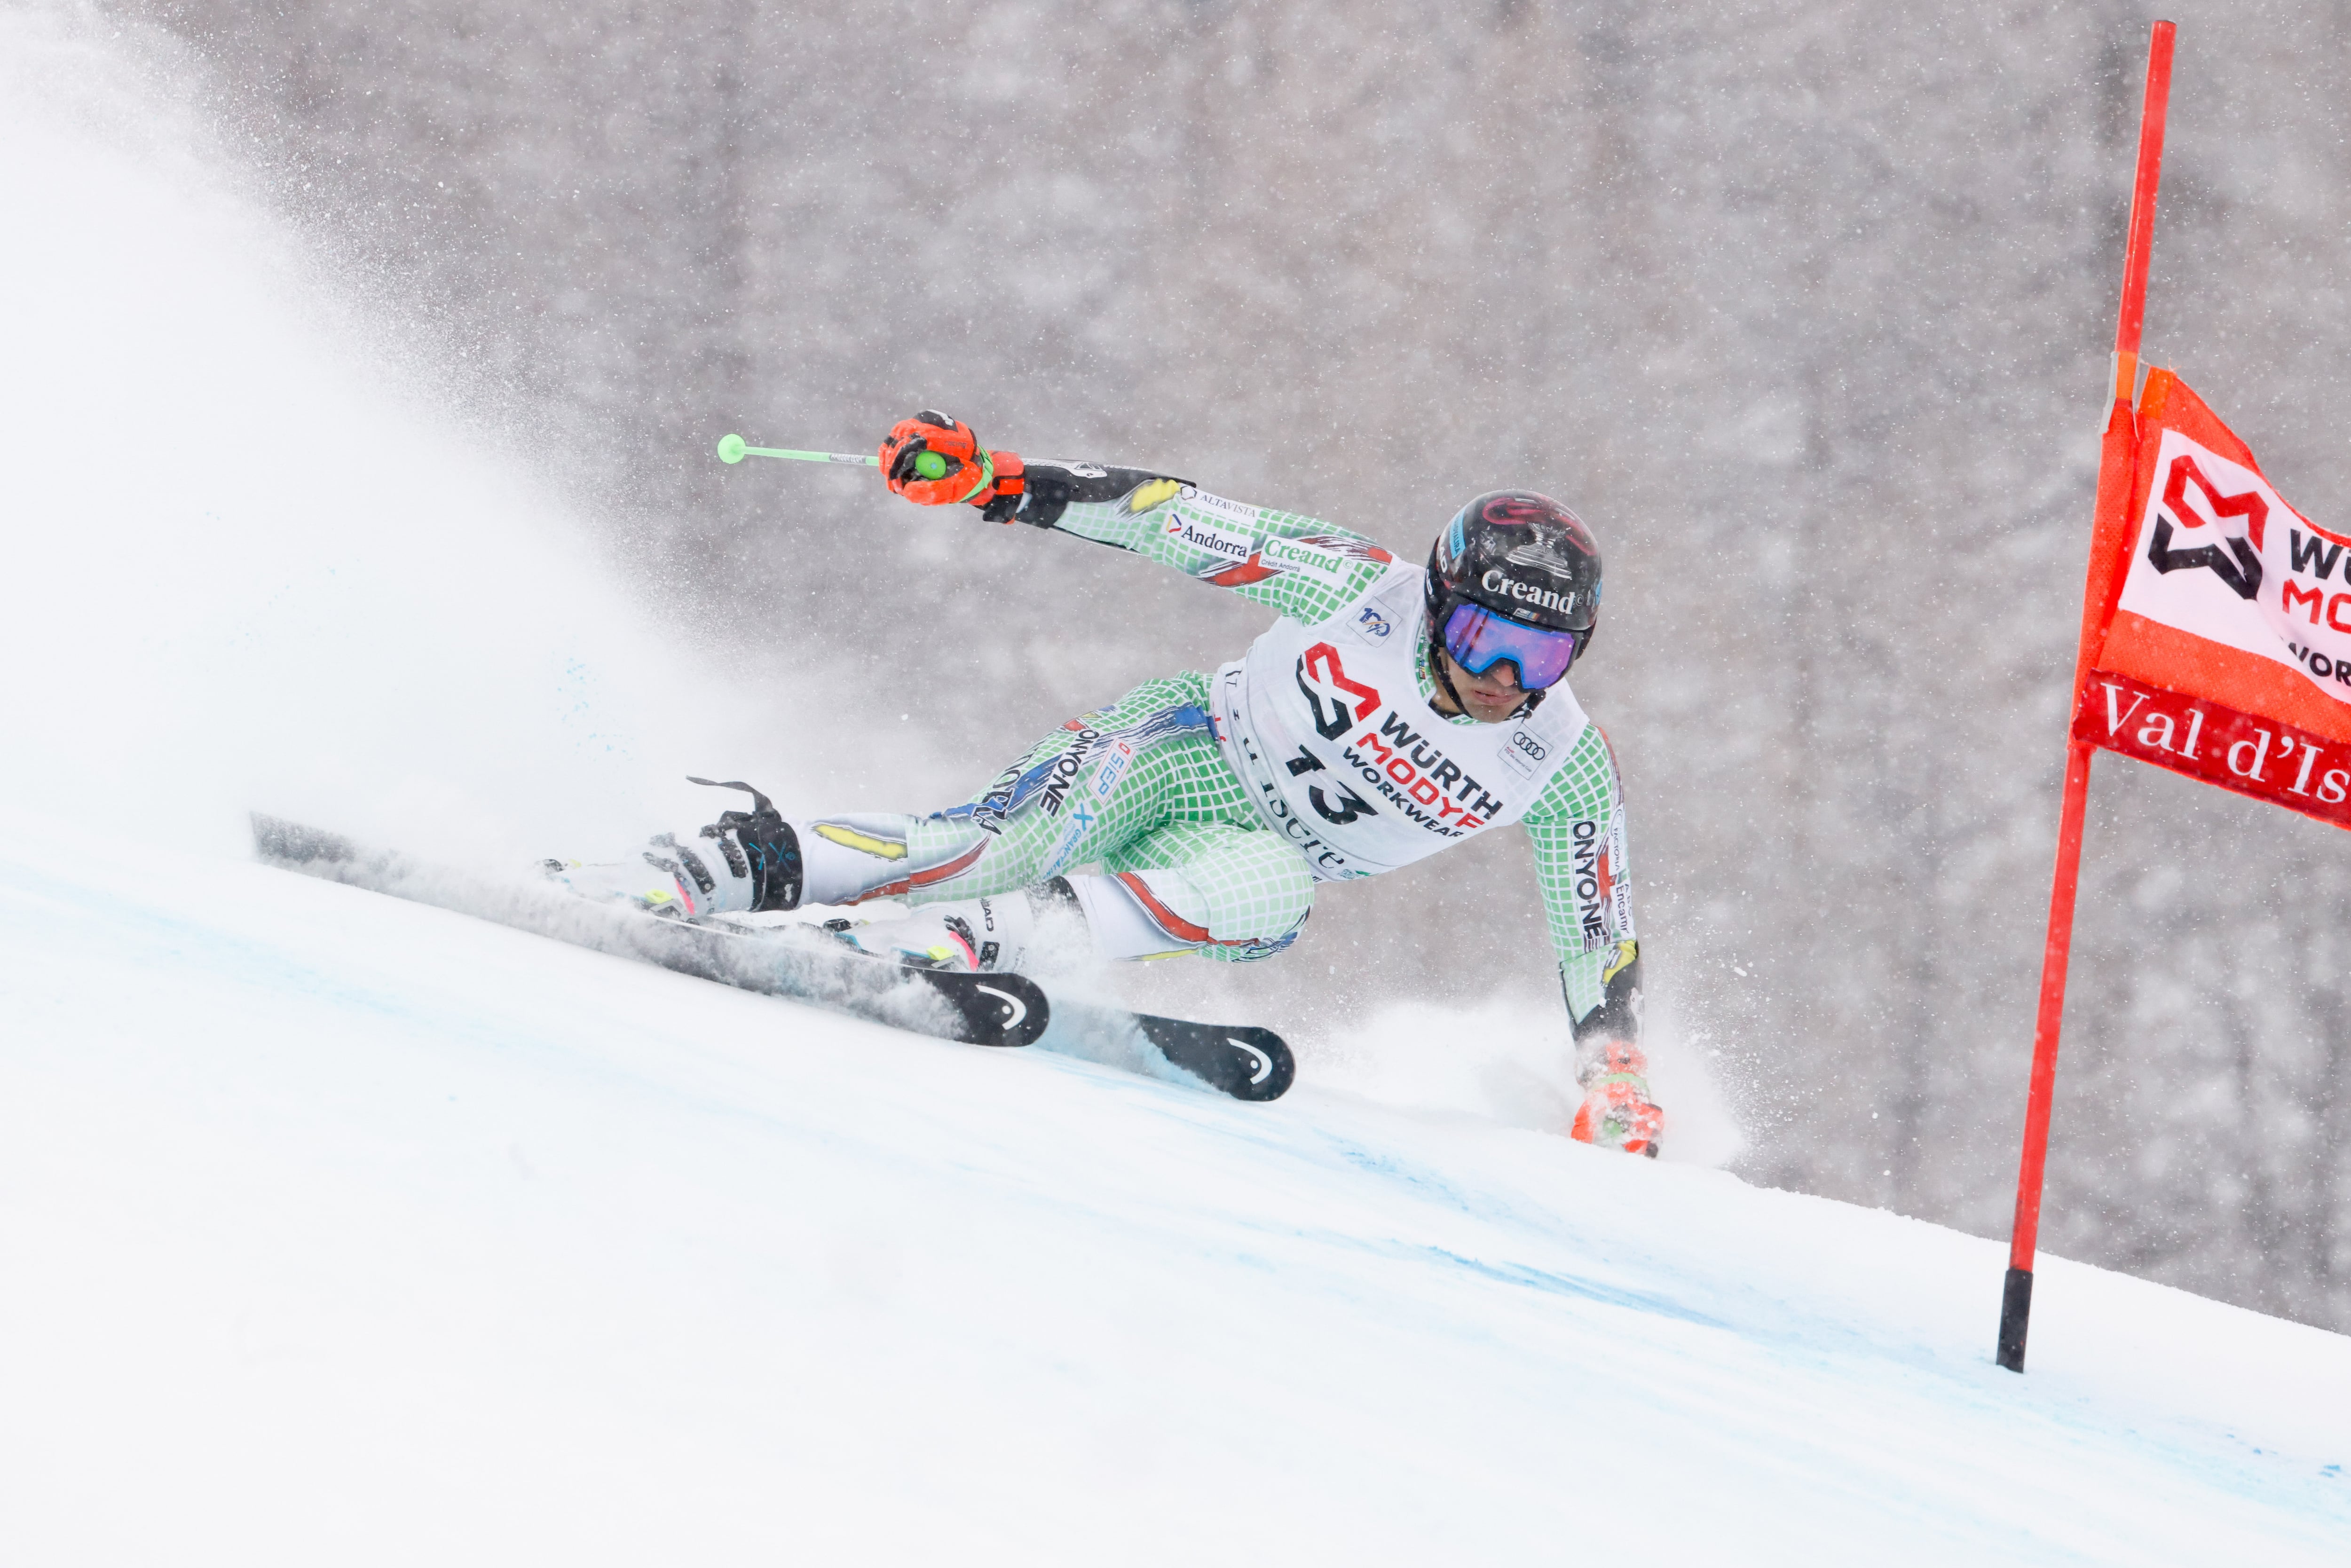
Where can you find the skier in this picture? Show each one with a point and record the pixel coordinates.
(1392, 711)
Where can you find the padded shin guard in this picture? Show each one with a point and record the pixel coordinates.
(1140, 913)
(851, 859)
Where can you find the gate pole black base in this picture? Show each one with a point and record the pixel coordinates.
(2015, 1308)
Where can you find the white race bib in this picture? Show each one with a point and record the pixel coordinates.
(1326, 725)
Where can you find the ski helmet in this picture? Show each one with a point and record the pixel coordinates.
(1512, 563)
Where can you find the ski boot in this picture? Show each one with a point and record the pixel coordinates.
(1617, 1113)
(745, 862)
(1005, 934)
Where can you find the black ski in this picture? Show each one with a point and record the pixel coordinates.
(1245, 1061)
(1240, 1060)
(784, 961)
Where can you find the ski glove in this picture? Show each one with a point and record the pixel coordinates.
(1617, 1113)
(991, 481)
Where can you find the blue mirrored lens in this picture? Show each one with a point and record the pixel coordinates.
(1479, 640)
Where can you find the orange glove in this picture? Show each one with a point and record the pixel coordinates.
(1617, 1113)
(972, 473)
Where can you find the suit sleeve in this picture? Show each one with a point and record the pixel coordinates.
(1580, 843)
(1301, 567)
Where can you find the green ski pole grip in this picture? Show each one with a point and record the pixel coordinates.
(732, 449)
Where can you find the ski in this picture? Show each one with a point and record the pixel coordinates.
(783, 961)
(795, 961)
(1240, 1060)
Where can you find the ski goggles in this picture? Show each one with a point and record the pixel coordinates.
(1479, 640)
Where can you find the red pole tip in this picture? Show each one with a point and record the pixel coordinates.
(2148, 177)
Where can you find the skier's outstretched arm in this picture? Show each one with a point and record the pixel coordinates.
(1303, 566)
(1578, 830)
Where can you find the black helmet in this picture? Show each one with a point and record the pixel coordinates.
(1524, 558)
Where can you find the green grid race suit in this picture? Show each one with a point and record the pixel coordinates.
(1144, 787)
(1138, 787)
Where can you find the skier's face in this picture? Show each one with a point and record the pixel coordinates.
(1489, 698)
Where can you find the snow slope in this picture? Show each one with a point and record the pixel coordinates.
(339, 1229)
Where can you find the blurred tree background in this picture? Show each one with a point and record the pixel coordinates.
(1803, 306)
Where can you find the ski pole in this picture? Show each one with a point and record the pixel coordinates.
(731, 449)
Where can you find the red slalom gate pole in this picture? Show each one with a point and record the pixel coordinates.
(2016, 1296)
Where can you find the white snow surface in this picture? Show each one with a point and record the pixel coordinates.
(343, 1230)
(338, 1230)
